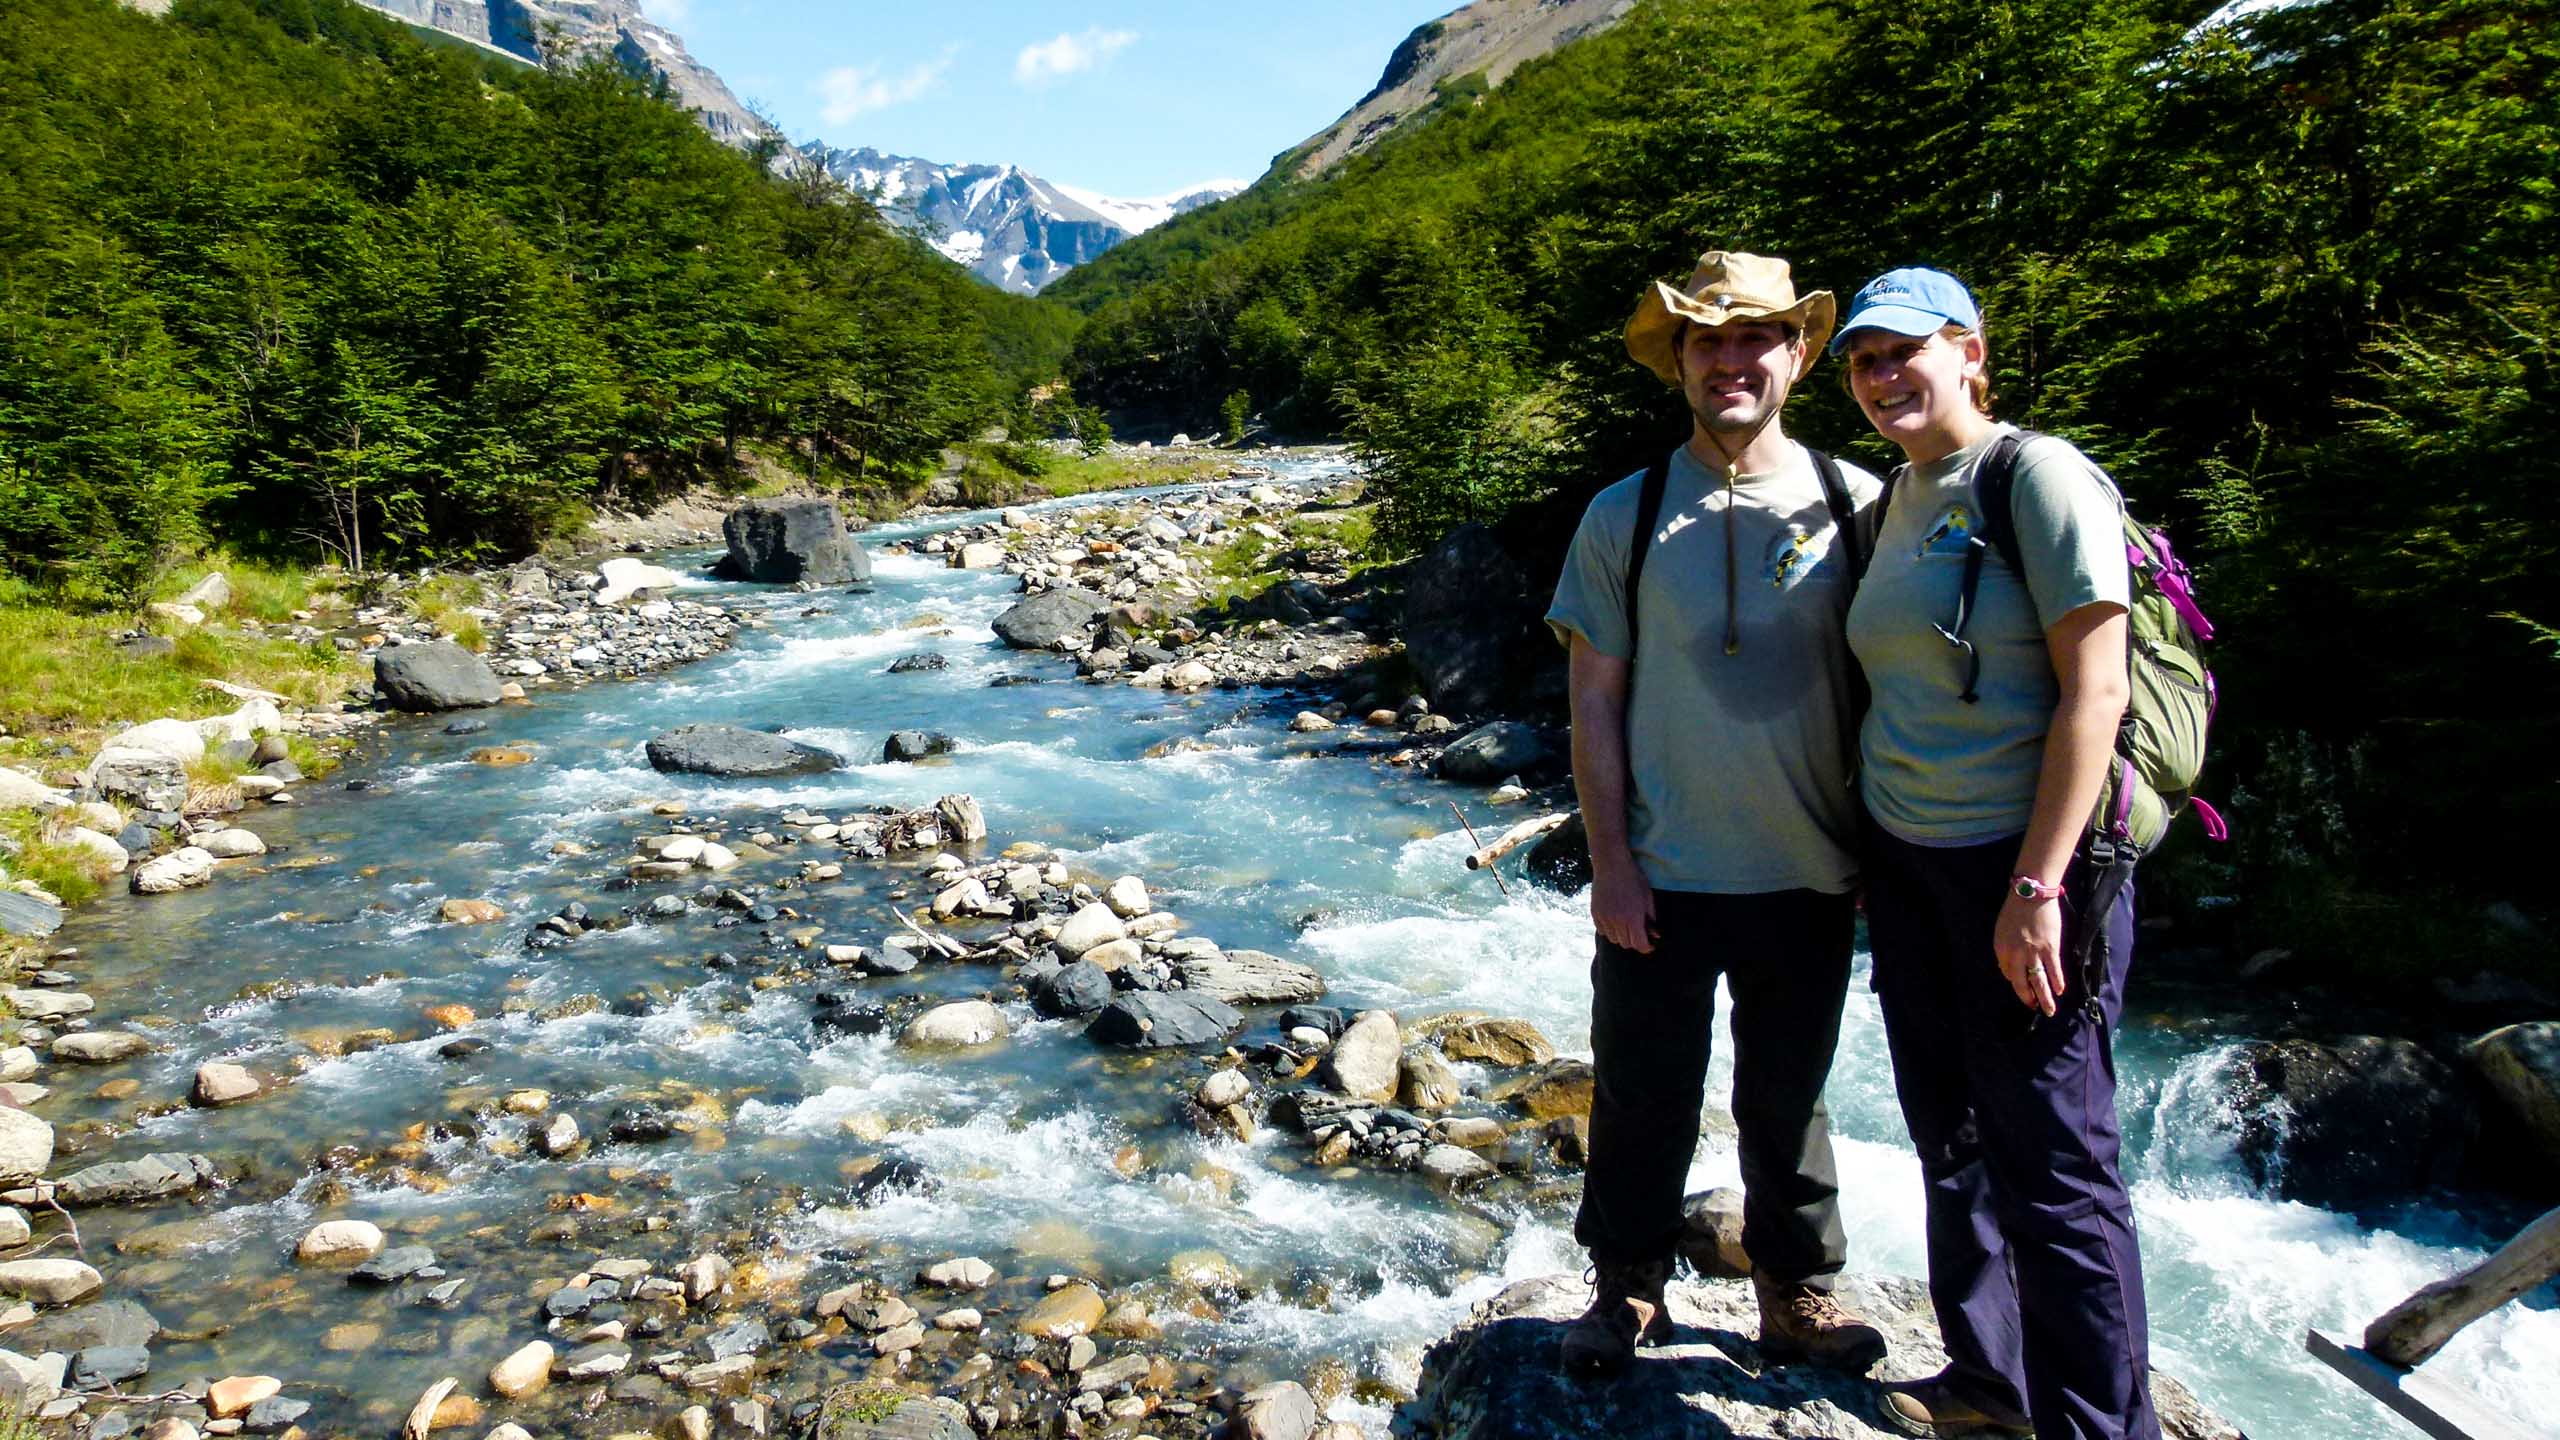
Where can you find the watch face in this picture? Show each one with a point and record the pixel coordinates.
(2026, 889)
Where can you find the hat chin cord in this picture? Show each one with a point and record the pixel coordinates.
(1732, 470)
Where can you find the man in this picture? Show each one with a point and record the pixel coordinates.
(1712, 755)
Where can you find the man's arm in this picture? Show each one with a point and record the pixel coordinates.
(1621, 901)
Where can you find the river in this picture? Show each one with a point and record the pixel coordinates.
(1045, 1154)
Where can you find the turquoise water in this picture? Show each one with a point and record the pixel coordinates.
(1047, 1155)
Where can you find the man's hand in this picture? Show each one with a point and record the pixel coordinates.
(2027, 939)
(1622, 907)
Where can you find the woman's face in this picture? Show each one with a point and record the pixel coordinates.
(1913, 388)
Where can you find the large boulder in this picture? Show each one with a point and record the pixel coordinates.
(182, 869)
(1366, 1059)
(1044, 620)
(1500, 1375)
(180, 740)
(791, 542)
(864, 1411)
(1163, 1020)
(22, 791)
(433, 675)
(1468, 620)
(729, 751)
(1249, 977)
(27, 916)
(147, 779)
(2363, 1120)
(2520, 1064)
(1494, 752)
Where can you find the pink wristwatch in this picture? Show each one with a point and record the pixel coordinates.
(2027, 887)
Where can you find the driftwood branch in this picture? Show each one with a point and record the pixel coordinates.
(1478, 842)
(1513, 838)
(2421, 1325)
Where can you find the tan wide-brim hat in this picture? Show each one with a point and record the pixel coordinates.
(1727, 286)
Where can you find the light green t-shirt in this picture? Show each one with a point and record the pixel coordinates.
(1937, 771)
(1741, 763)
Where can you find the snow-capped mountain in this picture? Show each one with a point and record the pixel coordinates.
(1011, 228)
(522, 28)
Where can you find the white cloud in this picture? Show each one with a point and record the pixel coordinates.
(852, 90)
(1046, 61)
(668, 12)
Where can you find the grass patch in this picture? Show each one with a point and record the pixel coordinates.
(70, 874)
(63, 678)
(1240, 570)
(259, 591)
(445, 603)
(1119, 469)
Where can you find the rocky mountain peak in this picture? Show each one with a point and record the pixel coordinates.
(1488, 38)
(544, 31)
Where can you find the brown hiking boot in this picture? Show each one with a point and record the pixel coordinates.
(1931, 1408)
(1626, 1310)
(1798, 1322)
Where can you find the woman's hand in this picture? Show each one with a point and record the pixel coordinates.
(2027, 939)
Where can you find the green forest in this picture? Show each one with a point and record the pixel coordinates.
(2290, 278)
(282, 275)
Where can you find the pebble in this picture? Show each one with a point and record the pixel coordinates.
(966, 1273)
(231, 1398)
(1224, 1088)
(218, 1084)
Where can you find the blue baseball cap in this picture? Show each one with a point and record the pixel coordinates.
(1911, 301)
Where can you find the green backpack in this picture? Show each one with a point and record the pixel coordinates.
(2160, 746)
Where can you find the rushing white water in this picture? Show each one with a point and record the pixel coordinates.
(1044, 1152)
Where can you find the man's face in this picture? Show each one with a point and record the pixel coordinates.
(1735, 374)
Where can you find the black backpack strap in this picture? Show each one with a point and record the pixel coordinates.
(1844, 512)
(1994, 476)
(1648, 510)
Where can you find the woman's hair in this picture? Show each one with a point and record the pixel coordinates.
(1977, 384)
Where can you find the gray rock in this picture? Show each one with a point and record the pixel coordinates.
(915, 745)
(791, 542)
(2520, 1064)
(99, 1366)
(1249, 977)
(1078, 989)
(26, 1146)
(29, 1381)
(1493, 751)
(433, 675)
(108, 1324)
(27, 916)
(2366, 1119)
(1367, 1060)
(393, 1265)
(746, 1337)
(863, 1411)
(921, 660)
(147, 779)
(49, 1281)
(1040, 622)
(98, 1047)
(1160, 1020)
(1284, 1411)
(1499, 1376)
(125, 1181)
(1711, 1234)
(1468, 618)
(181, 869)
(729, 751)
(1089, 928)
(273, 1414)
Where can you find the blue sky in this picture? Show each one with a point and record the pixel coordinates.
(1133, 99)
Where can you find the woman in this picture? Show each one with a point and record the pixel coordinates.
(1982, 759)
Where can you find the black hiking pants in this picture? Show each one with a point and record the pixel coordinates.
(1785, 958)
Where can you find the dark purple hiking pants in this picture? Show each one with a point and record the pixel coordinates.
(2032, 1260)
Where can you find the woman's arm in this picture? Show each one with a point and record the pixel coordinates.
(2088, 650)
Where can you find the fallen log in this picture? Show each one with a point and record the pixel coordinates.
(1515, 837)
(2419, 1326)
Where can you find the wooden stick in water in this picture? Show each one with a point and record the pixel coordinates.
(1515, 837)
(1479, 844)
